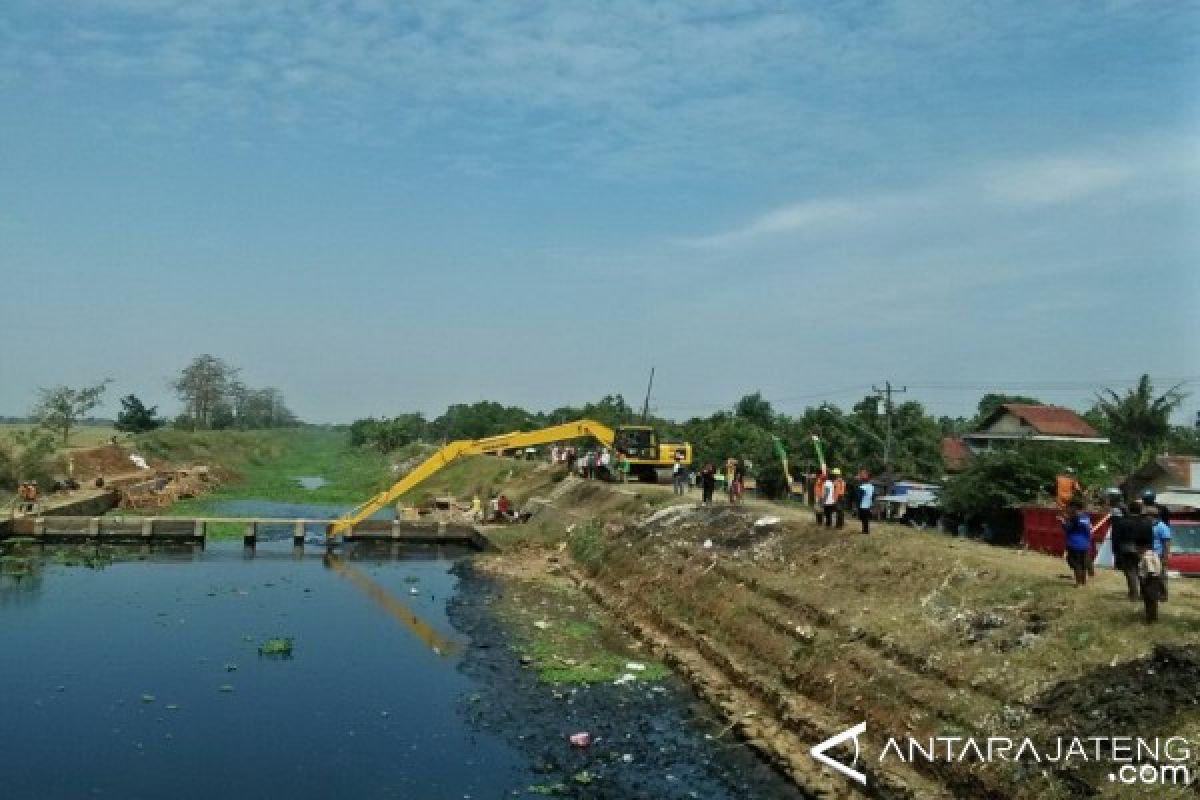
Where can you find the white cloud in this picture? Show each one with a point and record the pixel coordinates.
(1057, 180)
(1137, 171)
(673, 83)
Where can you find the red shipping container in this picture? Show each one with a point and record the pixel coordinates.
(1042, 530)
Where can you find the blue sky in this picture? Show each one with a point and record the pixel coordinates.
(379, 206)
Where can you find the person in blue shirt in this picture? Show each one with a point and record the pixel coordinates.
(1162, 549)
(1078, 530)
(866, 499)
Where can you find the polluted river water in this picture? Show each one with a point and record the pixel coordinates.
(137, 673)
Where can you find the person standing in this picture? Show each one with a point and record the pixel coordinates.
(678, 477)
(730, 471)
(866, 499)
(1124, 548)
(839, 497)
(1078, 530)
(739, 481)
(1066, 487)
(1141, 531)
(828, 501)
(708, 483)
(1162, 547)
(816, 488)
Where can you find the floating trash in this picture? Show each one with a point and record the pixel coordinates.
(280, 646)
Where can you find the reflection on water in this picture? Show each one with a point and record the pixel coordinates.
(133, 672)
(423, 630)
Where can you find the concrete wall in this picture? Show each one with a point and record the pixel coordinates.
(92, 506)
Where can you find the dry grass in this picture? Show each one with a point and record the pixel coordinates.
(83, 436)
(918, 632)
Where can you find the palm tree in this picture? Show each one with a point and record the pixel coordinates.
(1138, 422)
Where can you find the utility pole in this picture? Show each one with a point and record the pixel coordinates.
(886, 392)
(646, 405)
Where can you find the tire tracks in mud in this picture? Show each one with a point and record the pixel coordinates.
(780, 725)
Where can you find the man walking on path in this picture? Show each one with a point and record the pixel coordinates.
(866, 499)
(1078, 530)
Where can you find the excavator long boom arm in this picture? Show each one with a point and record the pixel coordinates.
(469, 447)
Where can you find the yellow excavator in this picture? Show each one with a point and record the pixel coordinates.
(647, 454)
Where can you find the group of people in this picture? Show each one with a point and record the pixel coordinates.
(733, 475)
(831, 497)
(592, 463)
(1141, 546)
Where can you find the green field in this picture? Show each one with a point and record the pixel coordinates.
(267, 464)
(83, 436)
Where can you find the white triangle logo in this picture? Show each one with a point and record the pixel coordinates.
(818, 752)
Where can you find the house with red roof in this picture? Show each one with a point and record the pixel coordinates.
(1017, 422)
(955, 454)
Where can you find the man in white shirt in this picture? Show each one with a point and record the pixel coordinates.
(828, 500)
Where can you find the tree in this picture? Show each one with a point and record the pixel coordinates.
(203, 386)
(27, 455)
(477, 420)
(134, 417)
(387, 435)
(261, 408)
(60, 408)
(754, 408)
(1184, 440)
(994, 481)
(1138, 423)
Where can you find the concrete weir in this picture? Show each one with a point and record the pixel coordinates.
(64, 528)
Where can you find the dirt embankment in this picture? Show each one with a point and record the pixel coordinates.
(798, 632)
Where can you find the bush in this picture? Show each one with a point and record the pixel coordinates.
(995, 481)
(29, 455)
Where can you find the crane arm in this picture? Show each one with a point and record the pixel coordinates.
(467, 447)
(429, 466)
(584, 428)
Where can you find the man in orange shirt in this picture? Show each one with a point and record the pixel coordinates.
(1066, 486)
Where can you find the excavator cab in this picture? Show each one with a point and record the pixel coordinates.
(638, 442)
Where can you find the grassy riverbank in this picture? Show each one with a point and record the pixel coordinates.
(266, 465)
(798, 631)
